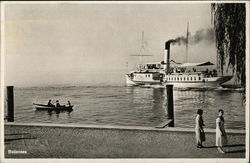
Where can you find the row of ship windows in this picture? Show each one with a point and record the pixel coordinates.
(184, 79)
(147, 76)
(180, 78)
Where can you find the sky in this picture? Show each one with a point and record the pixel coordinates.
(87, 44)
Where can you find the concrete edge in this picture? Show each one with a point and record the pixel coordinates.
(113, 127)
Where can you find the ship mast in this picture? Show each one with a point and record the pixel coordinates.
(141, 53)
(187, 42)
(142, 47)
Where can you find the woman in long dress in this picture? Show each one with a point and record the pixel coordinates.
(221, 137)
(199, 132)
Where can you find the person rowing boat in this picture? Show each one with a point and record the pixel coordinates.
(56, 107)
(50, 104)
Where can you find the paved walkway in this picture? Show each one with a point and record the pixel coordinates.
(81, 141)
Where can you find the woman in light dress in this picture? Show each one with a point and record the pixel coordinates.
(221, 137)
(199, 132)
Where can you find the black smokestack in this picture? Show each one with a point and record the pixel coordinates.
(167, 44)
(179, 40)
(207, 35)
(167, 54)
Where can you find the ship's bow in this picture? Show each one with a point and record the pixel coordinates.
(129, 81)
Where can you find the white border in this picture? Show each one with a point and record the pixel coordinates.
(122, 2)
(247, 79)
(2, 85)
(2, 159)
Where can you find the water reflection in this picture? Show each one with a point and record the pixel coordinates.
(131, 106)
(50, 113)
(187, 102)
(159, 105)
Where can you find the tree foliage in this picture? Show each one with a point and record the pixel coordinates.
(230, 32)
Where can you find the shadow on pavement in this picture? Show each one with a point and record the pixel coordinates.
(209, 147)
(13, 139)
(237, 151)
(16, 134)
(234, 145)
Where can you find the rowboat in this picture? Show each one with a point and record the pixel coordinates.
(53, 108)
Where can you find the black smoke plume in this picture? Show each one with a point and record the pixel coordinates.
(207, 35)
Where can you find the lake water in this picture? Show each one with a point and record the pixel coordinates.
(121, 105)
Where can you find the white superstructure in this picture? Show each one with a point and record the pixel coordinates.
(183, 75)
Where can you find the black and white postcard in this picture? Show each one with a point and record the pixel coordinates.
(125, 81)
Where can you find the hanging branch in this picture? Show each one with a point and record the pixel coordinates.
(229, 21)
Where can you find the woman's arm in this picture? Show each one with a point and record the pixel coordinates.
(220, 128)
(200, 123)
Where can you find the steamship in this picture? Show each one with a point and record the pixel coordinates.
(186, 75)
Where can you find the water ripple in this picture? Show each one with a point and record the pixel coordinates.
(130, 106)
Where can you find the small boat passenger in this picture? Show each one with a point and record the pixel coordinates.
(57, 103)
(50, 104)
(69, 103)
